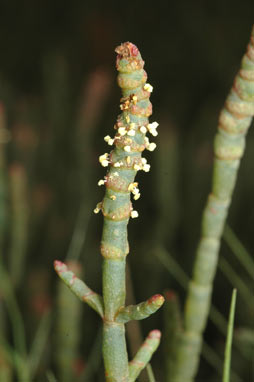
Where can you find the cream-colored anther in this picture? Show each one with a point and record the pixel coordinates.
(151, 146)
(122, 131)
(132, 186)
(127, 149)
(131, 133)
(143, 129)
(148, 87)
(146, 167)
(103, 159)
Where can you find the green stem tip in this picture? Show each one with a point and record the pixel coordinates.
(140, 311)
(144, 354)
(79, 288)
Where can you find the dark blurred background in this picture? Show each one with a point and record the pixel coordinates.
(60, 98)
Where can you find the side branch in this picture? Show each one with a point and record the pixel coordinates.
(79, 288)
(140, 311)
(144, 354)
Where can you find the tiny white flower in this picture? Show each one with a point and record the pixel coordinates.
(135, 191)
(113, 197)
(152, 128)
(122, 131)
(143, 129)
(154, 132)
(134, 214)
(117, 164)
(101, 182)
(148, 87)
(146, 167)
(136, 196)
(136, 167)
(131, 133)
(106, 138)
(151, 146)
(146, 140)
(103, 159)
(127, 149)
(143, 160)
(104, 156)
(96, 210)
(132, 186)
(152, 125)
(104, 163)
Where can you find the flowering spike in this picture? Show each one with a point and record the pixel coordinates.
(130, 141)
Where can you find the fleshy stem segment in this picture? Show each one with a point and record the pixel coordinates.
(124, 161)
(144, 354)
(79, 288)
(234, 121)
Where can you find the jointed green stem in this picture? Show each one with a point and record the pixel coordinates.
(234, 122)
(140, 311)
(144, 354)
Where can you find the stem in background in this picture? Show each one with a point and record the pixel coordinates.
(238, 250)
(68, 323)
(19, 226)
(5, 367)
(234, 122)
(227, 360)
(17, 323)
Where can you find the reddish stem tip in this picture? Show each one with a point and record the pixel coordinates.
(59, 266)
(154, 334)
(157, 298)
(127, 50)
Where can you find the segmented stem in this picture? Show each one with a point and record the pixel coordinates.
(124, 162)
(140, 311)
(144, 354)
(229, 145)
(79, 288)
